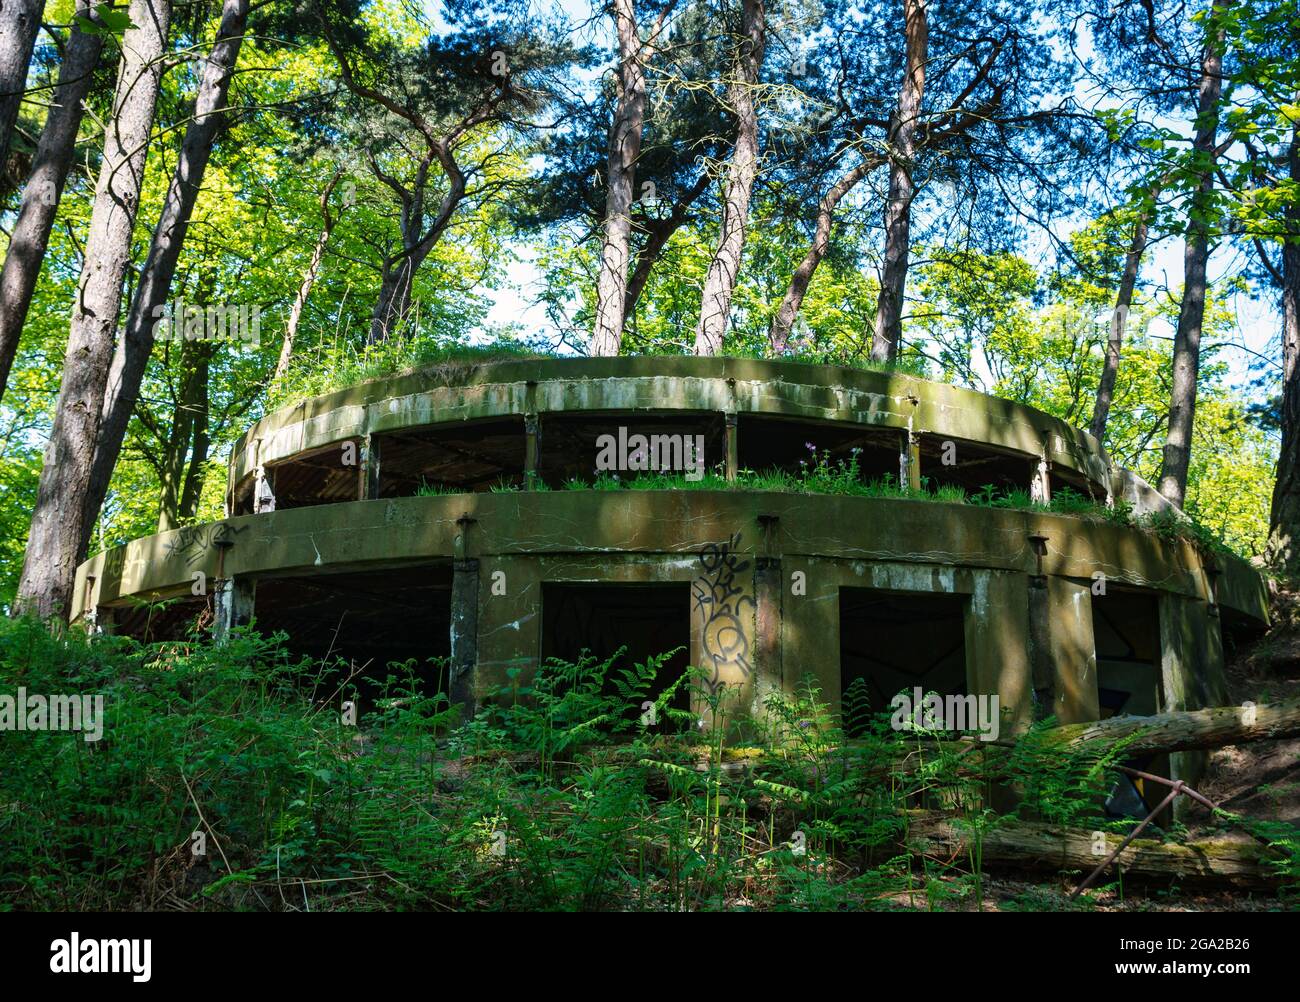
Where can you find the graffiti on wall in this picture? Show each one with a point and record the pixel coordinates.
(193, 543)
(720, 601)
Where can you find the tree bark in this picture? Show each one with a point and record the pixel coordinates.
(308, 280)
(620, 190)
(1187, 730)
(720, 282)
(185, 448)
(898, 209)
(1118, 322)
(658, 234)
(783, 322)
(132, 355)
(1056, 848)
(20, 21)
(1284, 517)
(40, 201)
(59, 521)
(1196, 252)
(1177, 730)
(397, 282)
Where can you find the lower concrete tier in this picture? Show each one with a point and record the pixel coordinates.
(1054, 614)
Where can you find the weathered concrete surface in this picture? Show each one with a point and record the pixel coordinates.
(1027, 619)
(740, 553)
(455, 393)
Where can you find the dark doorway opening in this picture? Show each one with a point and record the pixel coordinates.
(767, 443)
(164, 619)
(322, 476)
(598, 619)
(892, 642)
(1126, 635)
(362, 622)
(568, 444)
(465, 457)
(954, 462)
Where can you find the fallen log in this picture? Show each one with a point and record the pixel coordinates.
(1045, 847)
(1187, 730)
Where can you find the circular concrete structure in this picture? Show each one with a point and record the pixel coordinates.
(426, 515)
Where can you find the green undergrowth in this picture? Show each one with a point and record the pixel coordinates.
(580, 787)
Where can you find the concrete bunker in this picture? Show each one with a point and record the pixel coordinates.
(780, 583)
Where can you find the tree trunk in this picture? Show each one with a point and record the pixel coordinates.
(20, 21)
(1056, 848)
(898, 209)
(1191, 315)
(40, 201)
(202, 442)
(720, 282)
(1187, 730)
(308, 281)
(1176, 730)
(1284, 517)
(1118, 321)
(185, 448)
(656, 240)
(398, 280)
(59, 521)
(132, 355)
(624, 149)
(783, 322)
(395, 293)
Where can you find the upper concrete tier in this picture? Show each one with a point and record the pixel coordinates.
(824, 394)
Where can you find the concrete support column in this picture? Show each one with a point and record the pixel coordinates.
(464, 619)
(768, 592)
(232, 606)
(1062, 649)
(1040, 481)
(909, 461)
(531, 447)
(464, 632)
(370, 468)
(733, 446)
(263, 495)
(1191, 668)
(997, 658)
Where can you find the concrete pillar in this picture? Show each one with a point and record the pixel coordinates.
(997, 658)
(232, 606)
(911, 460)
(768, 592)
(464, 619)
(1040, 648)
(1184, 651)
(1040, 481)
(733, 446)
(531, 446)
(464, 632)
(263, 495)
(1063, 650)
(370, 468)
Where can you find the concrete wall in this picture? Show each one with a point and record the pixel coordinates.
(765, 572)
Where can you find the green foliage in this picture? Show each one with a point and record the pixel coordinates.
(555, 795)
